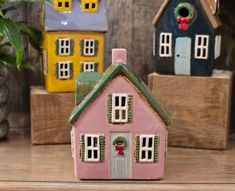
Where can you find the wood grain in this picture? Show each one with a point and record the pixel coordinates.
(25, 167)
(37, 186)
(49, 116)
(199, 108)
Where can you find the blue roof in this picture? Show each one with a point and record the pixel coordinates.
(75, 19)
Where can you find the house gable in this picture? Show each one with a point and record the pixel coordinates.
(112, 72)
(206, 5)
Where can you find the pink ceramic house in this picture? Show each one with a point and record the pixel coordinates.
(119, 131)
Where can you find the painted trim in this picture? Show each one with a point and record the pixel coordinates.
(154, 43)
(90, 6)
(64, 46)
(118, 106)
(63, 5)
(45, 62)
(165, 44)
(102, 148)
(156, 144)
(64, 70)
(88, 66)
(113, 71)
(137, 148)
(89, 47)
(72, 142)
(201, 47)
(109, 108)
(94, 146)
(218, 40)
(82, 147)
(146, 147)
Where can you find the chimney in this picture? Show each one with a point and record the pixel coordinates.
(119, 56)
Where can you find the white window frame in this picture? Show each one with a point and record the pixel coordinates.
(146, 148)
(89, 49)
(64, 69)
(88, 66)
(45, 62)
(218, 40)
(119, 108)
(166, 45)
(92, 148)
(64, 48)
(202, 45)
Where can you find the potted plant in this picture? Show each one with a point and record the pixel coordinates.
(12, 34)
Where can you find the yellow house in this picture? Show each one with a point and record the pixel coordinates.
(73, 41)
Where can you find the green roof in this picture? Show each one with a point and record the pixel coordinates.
(113, 71)
(88, 77)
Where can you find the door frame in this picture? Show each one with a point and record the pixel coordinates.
(114, 155)
(186, 70)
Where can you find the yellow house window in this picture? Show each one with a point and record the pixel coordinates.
(90, 6)
(89, 47)
(64, 70)
(63, 5)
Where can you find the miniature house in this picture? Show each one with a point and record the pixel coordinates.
(119, 130)
(187, 38)
(73, 41)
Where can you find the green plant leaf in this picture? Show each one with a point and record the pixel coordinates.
(34, 35)
(11, 33)
(9, 61)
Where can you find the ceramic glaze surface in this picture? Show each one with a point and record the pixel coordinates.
(53, 84)
(93, 120)
(177, 19)
(75, 19)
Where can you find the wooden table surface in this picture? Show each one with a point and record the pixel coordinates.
(48, 168)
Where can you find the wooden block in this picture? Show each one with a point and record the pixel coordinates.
(199, 108)
(49, 116)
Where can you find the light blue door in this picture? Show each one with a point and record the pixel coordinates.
(183, 56)
(120, 156)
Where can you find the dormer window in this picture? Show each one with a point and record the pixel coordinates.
(90, 6)
(119, 108)
(63, 5)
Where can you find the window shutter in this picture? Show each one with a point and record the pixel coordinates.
(96, 47)
(82, 148)
(156, 143)
(130, 99)
(57, 71)
(82, 67)
(81, 47)
(137, 150)
(71, 47)
(102, 148)
(109, 109)
(71, 70)
(57, 47)
(96, 67)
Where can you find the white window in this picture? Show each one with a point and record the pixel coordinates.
(45, 62)
(165, 45)
(63, 70)
(89, 47)
(201, 46)
(217, 46)
(120, 108)
(92, 148)
(88, 66)
(64, 46)
(146, 148)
